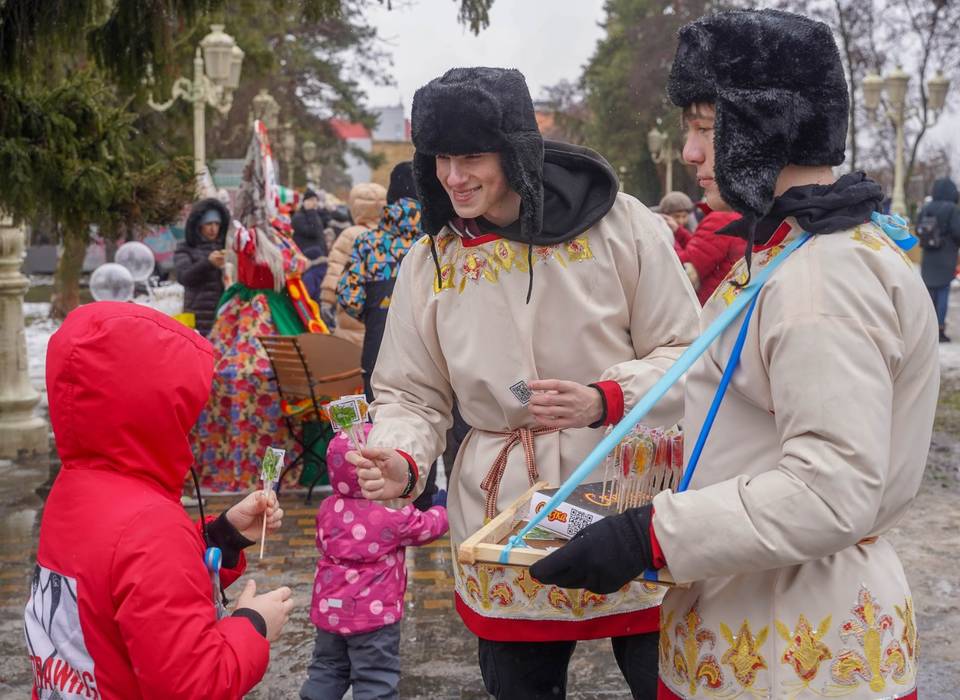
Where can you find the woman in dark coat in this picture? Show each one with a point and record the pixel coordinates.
(199, 261)
(939, 265)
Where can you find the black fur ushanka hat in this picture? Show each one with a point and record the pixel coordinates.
(478, 110)
(778, 87)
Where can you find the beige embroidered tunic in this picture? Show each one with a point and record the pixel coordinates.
(611, 304)
(819, 447)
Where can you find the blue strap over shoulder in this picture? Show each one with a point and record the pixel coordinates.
(744, 299)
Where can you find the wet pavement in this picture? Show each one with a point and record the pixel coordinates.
(438, 654)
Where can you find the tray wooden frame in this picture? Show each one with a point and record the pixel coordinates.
(487, 544)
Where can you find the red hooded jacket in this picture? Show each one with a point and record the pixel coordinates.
(710, 254)
(121, 604)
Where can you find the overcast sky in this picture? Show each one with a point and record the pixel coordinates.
(547, 40)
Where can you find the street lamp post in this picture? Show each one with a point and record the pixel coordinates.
(288, 146)
(20, 430)
(216, 74)
(895, 85)
(662, 151)
(266, 109)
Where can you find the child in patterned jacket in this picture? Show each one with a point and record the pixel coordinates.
(360, 582)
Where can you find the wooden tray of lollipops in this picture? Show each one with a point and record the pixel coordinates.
(642, 465)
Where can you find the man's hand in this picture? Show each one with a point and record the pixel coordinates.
(217, 258)
(602, 557)
(561, 404)
(692, 274)
(274, 607)
(383, 473)
(246, 515)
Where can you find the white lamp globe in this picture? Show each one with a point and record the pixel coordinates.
(111, 282)
(138, 258)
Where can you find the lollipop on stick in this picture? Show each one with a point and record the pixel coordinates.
(270, 469)
(347, 414)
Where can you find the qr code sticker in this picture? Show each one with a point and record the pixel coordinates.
(522, 392)
(579, 519)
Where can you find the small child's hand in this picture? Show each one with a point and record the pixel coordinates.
(246, 515)
(439, 498)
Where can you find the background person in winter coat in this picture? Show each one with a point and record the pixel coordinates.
(367, 201)
(365, 288)
(708, 257)
(199, 261)
(121, 605)
(939, 265)
(676, 208)
(308, 224)
(360, 582)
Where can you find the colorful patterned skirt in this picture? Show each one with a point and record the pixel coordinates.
(243, 414)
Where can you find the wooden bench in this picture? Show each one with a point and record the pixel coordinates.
(310, 369)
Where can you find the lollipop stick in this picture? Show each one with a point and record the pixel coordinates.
(263, 529)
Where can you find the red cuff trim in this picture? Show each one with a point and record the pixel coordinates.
(659, 561)
(499, 629)
(412, 463)
(612, 395)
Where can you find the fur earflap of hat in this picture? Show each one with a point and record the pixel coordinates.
(478, 110)
(778, 87)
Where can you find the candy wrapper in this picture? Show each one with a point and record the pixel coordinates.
(347, 415)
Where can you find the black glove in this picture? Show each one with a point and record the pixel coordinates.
(602, 557)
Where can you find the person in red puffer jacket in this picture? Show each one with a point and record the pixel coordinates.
(708, 257)
(121, 605)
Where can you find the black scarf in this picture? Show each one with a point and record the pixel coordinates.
(818, 209)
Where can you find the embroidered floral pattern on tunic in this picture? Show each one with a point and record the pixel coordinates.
(805, 651)
(486, 262)
(510, 592)
(874, 238)
(909, 636)
(885, 655)
(665, 643)
(688, 664)
(870, 663)
(727, 290)
(527, 584)
(744, 655)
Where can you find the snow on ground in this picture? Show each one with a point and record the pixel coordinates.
(39, 328)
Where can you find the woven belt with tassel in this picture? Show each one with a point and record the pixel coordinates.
(491, 482)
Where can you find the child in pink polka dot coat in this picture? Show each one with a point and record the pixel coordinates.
(358, 591)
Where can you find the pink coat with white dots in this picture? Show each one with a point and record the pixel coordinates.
(361, 576)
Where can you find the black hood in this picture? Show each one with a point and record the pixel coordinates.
(192, 228)
(579, 188)
(944, 190)
(818, 209)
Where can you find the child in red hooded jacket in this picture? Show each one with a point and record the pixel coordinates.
(708, 256)
(360, 582)
(121, 605)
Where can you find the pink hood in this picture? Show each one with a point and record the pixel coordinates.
(361, 577)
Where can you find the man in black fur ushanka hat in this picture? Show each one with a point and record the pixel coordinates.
(820, 442)
(547, 301)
